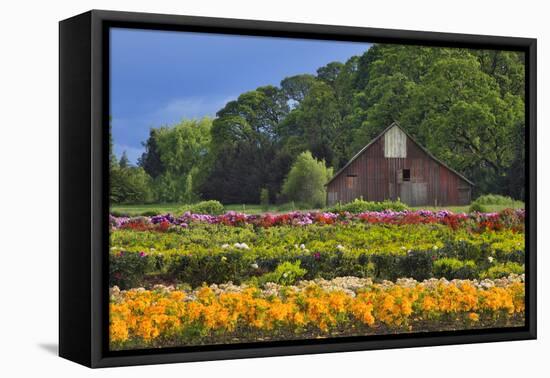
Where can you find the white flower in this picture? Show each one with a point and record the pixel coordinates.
(241, 246)
(285, 274)
(224, 258)
(254, 266)
(302, 246)
(435, 247)
(224, 246)
(340, 247)
(490, 258)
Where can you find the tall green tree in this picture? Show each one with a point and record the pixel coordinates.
(183, 153)
(150, 160)
(124, 162)
(306, 181)
(245, 139)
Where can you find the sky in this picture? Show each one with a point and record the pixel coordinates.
(159, 78)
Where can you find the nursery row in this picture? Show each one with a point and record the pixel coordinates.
(344, 306)
(506, 219)
(217, 253)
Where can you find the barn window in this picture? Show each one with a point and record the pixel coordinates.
(406, 175)
(350, 181)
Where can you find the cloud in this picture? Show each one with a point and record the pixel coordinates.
(189, 107)
(129, 132)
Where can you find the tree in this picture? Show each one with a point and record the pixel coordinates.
(245, 138)
(124, 162)
(264, 199)
(329, 73)
(150, 160)
(176, 157)
(467, 123)
(296, 88)
(130, 185)
(306, 181)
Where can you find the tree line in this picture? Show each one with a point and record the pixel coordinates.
(465, 106)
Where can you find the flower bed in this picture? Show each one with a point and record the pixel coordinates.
(218, 253)
(478, 222)
(344, 306)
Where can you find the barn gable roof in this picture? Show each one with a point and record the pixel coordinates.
(396, 124)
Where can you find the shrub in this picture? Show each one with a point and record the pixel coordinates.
(286, 273)
(116, 213)
(477, 207)
(264, 199)
(127, 269)
(205, 207)
(497, 199)
(130, 185)
(503, 270)
(150, 213)
(451, 268)
(361, 206)
(306, 181)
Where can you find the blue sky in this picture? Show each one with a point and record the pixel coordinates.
(160, 77)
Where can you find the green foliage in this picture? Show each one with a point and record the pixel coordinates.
(306, 181)
(496, 199)
(124, 162)
(127, 270)
(360, 206)
(175, 158)
(500, 270)
(150, 160)
(209, 253)
(477, 207)
(451, 268)
(130, 185)
(482, 203)
(264, 199)
(244, 147)
(211, 207)
(286, 273)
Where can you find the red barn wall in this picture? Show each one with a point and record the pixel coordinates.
(377, 178)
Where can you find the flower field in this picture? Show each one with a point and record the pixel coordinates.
(201, 279)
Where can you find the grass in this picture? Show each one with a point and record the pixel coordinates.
(174, 208)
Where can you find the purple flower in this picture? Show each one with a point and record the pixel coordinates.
(317, 256)
(142, 254)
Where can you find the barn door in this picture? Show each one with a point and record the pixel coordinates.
(419, 193)
(405, 193)
(414, 193)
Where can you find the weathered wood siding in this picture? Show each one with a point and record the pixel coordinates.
(377, 177)
(395, 143)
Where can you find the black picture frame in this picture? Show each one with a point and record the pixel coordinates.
(83, 196)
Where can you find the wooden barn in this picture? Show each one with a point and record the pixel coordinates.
(393, 166)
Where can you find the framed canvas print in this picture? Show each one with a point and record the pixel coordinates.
(234, 188)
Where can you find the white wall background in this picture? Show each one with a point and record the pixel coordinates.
(29, 186)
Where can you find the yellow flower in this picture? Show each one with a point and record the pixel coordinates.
(473, 316)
